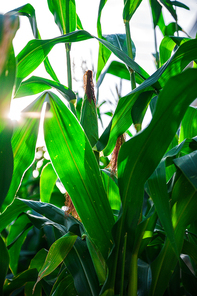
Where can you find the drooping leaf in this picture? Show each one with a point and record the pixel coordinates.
(169, 6)
(54, 214)
(36, 51)
(77, 168)
(139, 156)
(119, 123)
(120, 70)
(4, 263)
(178, 87)
(11, 213)
(179, 4)
(28, 11)
(171, 28)
(36, 85)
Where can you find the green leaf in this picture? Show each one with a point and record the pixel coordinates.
(11, 212)
(171, 28)
(188, 165)
(8, 28)
(121, 120)
(120, 70)
(40, 222)
(48, 179)
(188, 124)
(140, 107)
(104, 53)
(54, 214)
(184, 200)
(65, 14)
(15, 231)
(178, 93)
(77, 168)
(36, 85)
(130, 7)
(156, 11)
(64, 285)
(28, 11)
(23, 145)
(169, 6)
(29, 275)
(36, 51)
(80, 265)
(112, 191)
(159, 194)
(165, 49)
(144, 278)
(139, 156)
(179, 4)
(4, 263)
(57, 253)
(6, 162)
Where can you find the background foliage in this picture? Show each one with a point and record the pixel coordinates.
(129, 227)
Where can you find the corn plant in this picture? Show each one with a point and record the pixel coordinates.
(131, 227)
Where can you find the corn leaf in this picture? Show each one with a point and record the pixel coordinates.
(77, 168)
(64, 12)
(4, 262)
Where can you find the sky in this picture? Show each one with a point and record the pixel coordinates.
(141, 33)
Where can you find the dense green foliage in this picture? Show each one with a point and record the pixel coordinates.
(134, 227)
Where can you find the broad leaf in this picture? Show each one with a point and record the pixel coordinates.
(36, 85)
(139, 157)
(23, 146)
(57, 253)
(130, 7)
(119, 123)
(77, 168)
(65, 14)
(169, 6)
(184, 201)
(156, 11)
(80, 265)
(36, 51)
(12, 211)
(54, 214)
(28, 11)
